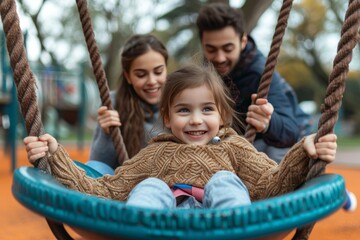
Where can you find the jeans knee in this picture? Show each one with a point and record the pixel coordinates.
(224, 179)
(152, 193)
(222, 174)
(157, 183)
(152, 186)
(225, 189)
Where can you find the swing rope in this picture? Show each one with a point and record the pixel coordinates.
(334, 92)
(100, 76)
(271, 60)
(25, 84)
(23, 76)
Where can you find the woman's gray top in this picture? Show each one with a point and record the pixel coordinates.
(102, 148)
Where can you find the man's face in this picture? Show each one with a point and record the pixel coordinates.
(222, 48)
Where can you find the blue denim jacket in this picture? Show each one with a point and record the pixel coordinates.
(288, 122)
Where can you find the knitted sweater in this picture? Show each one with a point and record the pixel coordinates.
(167, 158)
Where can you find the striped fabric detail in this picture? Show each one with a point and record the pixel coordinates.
(188, 190)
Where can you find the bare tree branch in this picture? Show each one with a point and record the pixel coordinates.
(37, 24)
(253, 10)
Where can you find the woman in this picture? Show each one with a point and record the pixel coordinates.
(143, 60)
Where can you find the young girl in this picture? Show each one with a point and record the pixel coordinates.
(201, 151)
(143, 62)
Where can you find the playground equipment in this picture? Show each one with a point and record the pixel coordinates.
(9, 112)
(67, 93)
(104, 218)
(96, 218)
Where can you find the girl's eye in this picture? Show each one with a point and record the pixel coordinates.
(208, 109)
(183, 110)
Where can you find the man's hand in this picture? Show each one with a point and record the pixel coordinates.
(259, 114)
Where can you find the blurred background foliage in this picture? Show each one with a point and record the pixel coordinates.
(307, 52)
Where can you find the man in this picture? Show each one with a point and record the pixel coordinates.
(237, 59)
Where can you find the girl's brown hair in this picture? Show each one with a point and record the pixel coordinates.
(192, 76)
(127, 102)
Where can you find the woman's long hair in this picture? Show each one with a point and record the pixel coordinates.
(127, 102)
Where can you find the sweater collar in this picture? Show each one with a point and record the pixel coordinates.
(169, 137)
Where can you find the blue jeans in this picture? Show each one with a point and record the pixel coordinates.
(101, 167)
(224, 190)
(152, 193)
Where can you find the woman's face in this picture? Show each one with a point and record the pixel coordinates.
(147, 75)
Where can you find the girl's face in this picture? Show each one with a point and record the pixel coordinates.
(194, 117)
(147, 75)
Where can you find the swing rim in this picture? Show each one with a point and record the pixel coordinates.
(43, 194)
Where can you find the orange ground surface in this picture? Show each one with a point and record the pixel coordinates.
(19, 223)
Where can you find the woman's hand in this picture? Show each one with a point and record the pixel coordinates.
(108, 118)
(324, 149)
(259, 114)
(37, 147)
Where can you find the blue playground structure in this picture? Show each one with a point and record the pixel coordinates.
(66, 93)
(9, 108)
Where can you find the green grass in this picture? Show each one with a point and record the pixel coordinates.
(349, 142)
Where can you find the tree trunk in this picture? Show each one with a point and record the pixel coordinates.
(253, 10)
(112, 67)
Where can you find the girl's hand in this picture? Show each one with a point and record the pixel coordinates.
(37, 147)
(259, 114)
(108, 118)
(324, 149)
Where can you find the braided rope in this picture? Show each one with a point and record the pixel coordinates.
(271, 60)
(334, 93)
(100, 76)
(23, 76)
(25, 84)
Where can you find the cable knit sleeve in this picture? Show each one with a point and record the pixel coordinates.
(263, 177)
(115, 187)
(287, 176)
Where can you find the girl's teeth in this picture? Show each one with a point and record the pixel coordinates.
(196, 133)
